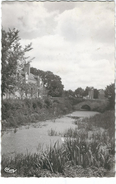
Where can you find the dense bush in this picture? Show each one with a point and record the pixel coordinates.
(48, 102)
(16, 112)
(105, 120)
(75, 101)
(9, 106)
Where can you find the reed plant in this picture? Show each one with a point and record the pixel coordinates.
(77, 152)
(105, 120)
(53, 132)
(82, 148)
(90, 154)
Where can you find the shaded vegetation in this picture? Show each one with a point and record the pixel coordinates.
(16, 112)
(51, 81)
(110, 94)
(105, 120)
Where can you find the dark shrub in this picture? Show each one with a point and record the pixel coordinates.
(75, 101)
(28, 102)
(39, 103)
(48, 102)
(12, 122)
(20, 112)
(34, 105)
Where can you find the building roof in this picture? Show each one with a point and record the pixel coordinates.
(31, 78)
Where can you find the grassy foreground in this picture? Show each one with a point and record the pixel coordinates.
(87, 151)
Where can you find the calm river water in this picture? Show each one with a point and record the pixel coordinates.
(35, 137)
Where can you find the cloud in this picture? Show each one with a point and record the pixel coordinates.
(87, 23)
(73, 40)
(59, 6)
(31, 19)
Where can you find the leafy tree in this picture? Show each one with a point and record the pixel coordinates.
(13, 58)
(36, 72)
(110, 94)
(69, 93)
(86, 91)
(96, 92)
(79, 92)
(26, 89)
(52, 82)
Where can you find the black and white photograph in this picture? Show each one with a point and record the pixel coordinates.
(58, 89)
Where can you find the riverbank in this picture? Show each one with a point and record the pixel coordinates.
(87, 151)
(16, 113)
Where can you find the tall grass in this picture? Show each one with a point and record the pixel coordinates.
(105, 120)
(73, 152)
(52, 160)
(53, 133)
(90, 154)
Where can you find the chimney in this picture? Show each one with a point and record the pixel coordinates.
(27, 68)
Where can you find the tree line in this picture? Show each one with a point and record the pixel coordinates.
(13, 60)
(80, 92)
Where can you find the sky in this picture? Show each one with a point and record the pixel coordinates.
(74, 40)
